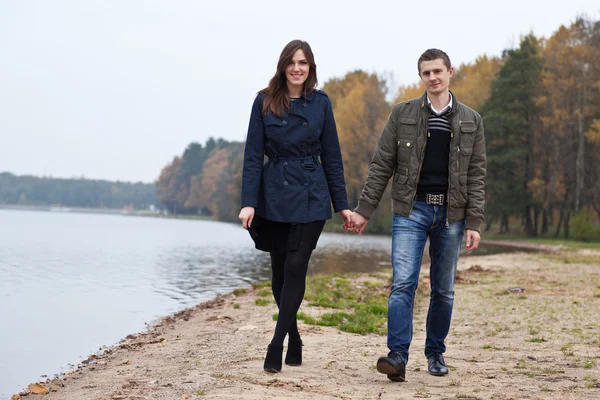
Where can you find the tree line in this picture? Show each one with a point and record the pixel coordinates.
(541, 108)
(36, 191)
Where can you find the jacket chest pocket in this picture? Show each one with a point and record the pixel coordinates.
(407, 127)
(467, 130)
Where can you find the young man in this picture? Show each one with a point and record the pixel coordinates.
(434, 148)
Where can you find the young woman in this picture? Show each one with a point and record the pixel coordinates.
(286, 201)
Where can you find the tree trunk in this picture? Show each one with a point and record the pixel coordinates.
(504, 223)
(529, 229)
(536, 218)
(544, 222)
(579, 161)
(488, 225)
(567, 219)
(560, 221)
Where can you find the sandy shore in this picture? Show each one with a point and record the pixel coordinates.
(526, 326)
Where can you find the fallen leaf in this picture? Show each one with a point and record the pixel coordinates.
(16, 397)
(37, 388)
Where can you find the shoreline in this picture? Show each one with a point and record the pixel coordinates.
(501, 344)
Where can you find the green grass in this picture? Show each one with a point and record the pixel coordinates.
(264, 293)
(360, 308)
(238, 292)
(567, 243)
(536, 340)
(265, 284)
(262, 302)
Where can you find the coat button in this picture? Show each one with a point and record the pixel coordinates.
(304, 105)
(285, 183)
(284, 123)
(285, 164)
(304, 123)
(407, 144)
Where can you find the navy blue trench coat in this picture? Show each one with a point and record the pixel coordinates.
(304, 173)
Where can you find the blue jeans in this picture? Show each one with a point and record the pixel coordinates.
(409, 236)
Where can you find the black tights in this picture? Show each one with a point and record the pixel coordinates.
(288, 284)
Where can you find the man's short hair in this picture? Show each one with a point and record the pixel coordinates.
(434, 54)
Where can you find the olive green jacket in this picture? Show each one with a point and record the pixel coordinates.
(400, 151)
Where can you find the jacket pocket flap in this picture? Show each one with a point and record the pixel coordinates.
(467, 126)
(401, 175)
(466, 151)
(405, 143)
(408, 121)
(270, 119)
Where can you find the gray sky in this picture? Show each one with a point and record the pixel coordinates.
(115, 89)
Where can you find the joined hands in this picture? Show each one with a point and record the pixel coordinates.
(353, 222)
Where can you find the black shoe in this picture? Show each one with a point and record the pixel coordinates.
(273, 358)
(293, 356)
(437, 365)
(393, 366)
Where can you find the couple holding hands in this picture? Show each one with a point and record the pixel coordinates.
(433, 150)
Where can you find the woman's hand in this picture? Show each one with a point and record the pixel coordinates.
(246, 216)
(347, 219)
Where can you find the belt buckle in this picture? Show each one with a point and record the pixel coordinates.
(435, 199)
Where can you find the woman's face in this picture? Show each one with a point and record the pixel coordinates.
(297, 70)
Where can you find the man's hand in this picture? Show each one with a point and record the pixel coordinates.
(359, 222)
(473, 239)
(246, 216)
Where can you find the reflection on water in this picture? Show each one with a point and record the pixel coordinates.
(72, 283)
(192, 274)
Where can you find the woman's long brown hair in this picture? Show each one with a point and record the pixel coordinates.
(278, 95)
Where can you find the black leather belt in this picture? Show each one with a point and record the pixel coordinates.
(435, 199)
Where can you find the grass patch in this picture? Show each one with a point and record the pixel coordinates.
(566, 350)
(536, 340)
(264, 293)
(533, 331)
(572, 258)
(362, 305)
(235, 306)
(589, 364)
(262, 302)
(569, 244)
(238, 292)
(266, 284)
(275, 317)
(591, 381)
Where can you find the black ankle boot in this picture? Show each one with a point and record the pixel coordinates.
(273, 358)
(293, 356)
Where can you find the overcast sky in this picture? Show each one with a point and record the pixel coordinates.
(115, 89)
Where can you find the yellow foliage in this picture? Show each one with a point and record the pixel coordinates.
(593, 134)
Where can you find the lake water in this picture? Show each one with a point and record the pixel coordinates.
(72, 283)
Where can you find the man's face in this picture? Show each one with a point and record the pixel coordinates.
(435, 76)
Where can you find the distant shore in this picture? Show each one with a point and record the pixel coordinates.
(525, 326)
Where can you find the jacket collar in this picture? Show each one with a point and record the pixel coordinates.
(308, 96)
(425, 103)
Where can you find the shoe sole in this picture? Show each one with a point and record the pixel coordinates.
(272, 370)
(438, 373)
(384, 367)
